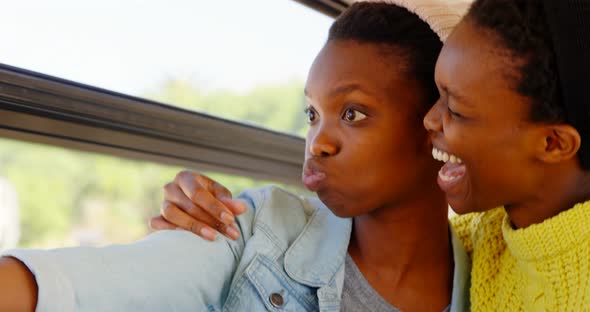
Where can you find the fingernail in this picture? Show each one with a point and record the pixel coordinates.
(208, 233)
(227, 218)
(232, 232)
(240, 205)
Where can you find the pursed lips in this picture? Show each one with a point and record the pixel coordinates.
(313, 175)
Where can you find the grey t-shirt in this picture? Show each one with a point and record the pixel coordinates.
(358, 295)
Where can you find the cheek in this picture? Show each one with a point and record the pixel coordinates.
(495, 167)
(502, 158)
(369, 152)
(454, 132)
(394, 148)
(400, 156)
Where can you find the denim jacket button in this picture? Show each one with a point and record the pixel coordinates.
(276, 300)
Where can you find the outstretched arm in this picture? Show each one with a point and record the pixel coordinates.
(167, 271)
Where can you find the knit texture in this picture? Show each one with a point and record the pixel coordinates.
(441, 15)
(544, 267)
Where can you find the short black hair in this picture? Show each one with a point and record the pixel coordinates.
(394, 26)
(522, 28)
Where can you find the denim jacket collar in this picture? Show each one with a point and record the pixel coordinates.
(319, 252)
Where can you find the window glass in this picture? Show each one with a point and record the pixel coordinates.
(54, 197)
(243, 60)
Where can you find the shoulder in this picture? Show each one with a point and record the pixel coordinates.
(293, 241)
(273, 204)
(278, 213)
(277, 199)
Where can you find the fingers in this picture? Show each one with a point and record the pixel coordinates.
(230, 231)
(218, 190)
(237, 207)
(177, 216)
(173, 194)
(202, 192)
(159, 223)
(207, 203)
(202, 220)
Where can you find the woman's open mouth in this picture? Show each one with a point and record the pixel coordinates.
(452, 172)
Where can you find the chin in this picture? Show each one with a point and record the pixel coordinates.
(459, 208)
(466, 206)
(347, 204)
(336, 205)
(343, 213)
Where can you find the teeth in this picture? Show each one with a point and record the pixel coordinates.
(445, 157)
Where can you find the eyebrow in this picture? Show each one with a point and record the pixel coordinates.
(344, 89)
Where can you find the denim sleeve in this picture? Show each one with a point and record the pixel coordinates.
(166, 271)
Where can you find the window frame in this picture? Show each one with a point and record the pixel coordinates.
(44, 109)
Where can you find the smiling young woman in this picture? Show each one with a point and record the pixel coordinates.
(507, 113)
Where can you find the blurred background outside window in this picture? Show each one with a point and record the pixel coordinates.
(241, 60)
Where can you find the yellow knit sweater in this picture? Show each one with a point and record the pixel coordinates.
(544, 267)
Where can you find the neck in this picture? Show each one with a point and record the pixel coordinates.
(404, 252)
(404, 237)
(560, 188)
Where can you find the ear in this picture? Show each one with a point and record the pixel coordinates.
(559, 143)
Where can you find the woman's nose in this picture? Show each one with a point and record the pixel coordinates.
(433, 119)
(323, 144)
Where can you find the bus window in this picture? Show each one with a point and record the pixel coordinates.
(200, 55)
(70, 198)
(126, 78)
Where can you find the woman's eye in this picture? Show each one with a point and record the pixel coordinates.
(453, 113)
(353, 115)
(311, 115)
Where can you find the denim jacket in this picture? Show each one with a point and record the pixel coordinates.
(290, 257)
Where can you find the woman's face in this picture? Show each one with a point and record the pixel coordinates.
(481, 119)
(366, 147)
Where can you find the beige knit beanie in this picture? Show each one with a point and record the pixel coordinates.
(441, 15)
